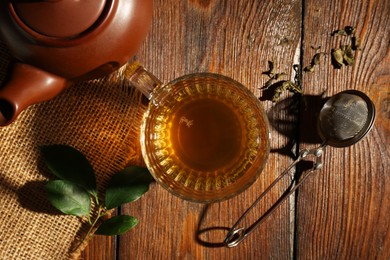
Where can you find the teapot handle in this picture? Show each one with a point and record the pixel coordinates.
(26, 86)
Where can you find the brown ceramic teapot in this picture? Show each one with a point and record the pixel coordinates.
(56, 42)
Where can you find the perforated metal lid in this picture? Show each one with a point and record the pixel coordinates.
(346, 118)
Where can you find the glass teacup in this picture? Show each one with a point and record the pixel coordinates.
(204, 137)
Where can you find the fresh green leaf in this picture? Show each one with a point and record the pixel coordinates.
(127, 185)
(117, 225)
(69, 164)
(68, 197)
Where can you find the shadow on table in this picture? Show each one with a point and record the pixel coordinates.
(203, 230)
(296, 118)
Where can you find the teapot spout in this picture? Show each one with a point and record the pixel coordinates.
(27, 85)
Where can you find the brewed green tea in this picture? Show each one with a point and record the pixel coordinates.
(206, 134)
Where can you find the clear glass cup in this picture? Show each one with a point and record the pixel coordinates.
(204, 137)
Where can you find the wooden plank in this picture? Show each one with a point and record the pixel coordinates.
(236, 39)
(100, 247)
(343, 212)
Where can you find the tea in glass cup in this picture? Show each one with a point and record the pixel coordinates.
(204, 137)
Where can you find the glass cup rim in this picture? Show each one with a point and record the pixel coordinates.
(257, 167)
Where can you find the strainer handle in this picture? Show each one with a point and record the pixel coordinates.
(237, 234)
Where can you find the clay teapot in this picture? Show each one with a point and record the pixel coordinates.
(57, 42)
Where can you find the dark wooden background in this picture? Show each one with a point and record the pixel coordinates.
(340, 213)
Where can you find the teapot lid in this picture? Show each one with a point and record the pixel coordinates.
(59, 18)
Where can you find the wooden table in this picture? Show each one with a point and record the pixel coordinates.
(342, 212)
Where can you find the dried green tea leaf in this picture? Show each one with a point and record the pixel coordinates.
(277, 76)
(117, 225)
(283, 86)
(314, 61)
(280, 87)
(339, 32)
(355, 43)
(272, 75)
(276, 96)
(294, 87)
(348, 57)
(68, 197)
(349, 30)
(337, 58)
(127, 186)
(268, 83)
(309, 68)
(317, 57)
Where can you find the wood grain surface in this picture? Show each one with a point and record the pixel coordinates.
(342, 212)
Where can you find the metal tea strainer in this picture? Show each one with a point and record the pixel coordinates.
(343, 120)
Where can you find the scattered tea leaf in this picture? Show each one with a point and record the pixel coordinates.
(316, 58)
(348, 55)
(69, 164)
(348, 30)
(314, 62)
(268, 83)
(309, 68)
(337, 58)
(117, 225)
(277, 76)
(355, 43)
(127, 186)
(68, 197)
(344, 55)
(283, 86)
(339, 32)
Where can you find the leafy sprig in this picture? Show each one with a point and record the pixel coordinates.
(75, 193)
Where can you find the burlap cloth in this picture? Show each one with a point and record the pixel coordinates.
(101, 118)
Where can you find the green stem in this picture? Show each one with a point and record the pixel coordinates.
(89, 220)
(100, 213)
